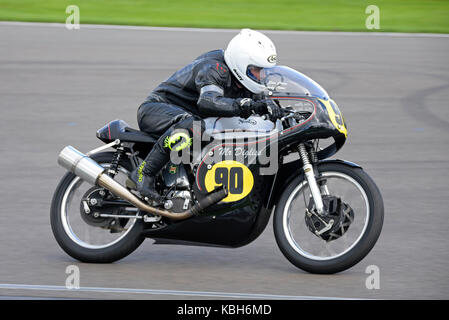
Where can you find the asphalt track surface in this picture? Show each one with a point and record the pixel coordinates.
(57, 87)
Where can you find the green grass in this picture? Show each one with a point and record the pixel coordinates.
(337, 15)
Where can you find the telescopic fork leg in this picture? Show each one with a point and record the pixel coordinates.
(310, 176)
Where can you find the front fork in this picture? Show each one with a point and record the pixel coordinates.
(311, 180)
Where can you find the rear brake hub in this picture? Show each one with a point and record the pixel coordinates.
(90, 211)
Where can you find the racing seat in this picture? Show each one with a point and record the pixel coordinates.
(119, 129)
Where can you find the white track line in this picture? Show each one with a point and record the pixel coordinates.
(167, 292)
(209, 30)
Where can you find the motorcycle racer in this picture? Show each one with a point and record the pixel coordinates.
(219, 83)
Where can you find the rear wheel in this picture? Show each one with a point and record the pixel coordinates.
(78, 227)
(338, 239)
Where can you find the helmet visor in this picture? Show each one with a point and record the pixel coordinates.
(255, 73)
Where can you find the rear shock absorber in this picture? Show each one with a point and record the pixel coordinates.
(310, 176)
(113, 169)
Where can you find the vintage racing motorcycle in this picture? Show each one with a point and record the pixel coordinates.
(328, 214)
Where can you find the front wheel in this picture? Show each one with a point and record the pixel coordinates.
(78, 226)
(344, 234)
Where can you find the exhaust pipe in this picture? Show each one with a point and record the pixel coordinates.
(90, 171)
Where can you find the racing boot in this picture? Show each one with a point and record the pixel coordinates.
(143, 182)
(143, 178)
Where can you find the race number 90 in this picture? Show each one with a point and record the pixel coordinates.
(237, 178)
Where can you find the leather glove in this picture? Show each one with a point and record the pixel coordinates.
(274, 110)
(270, 107)
(260, 107)
(245, 107)
(248, 107)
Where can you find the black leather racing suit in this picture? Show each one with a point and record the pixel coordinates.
(204, 88)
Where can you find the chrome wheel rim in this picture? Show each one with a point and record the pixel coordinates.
(307, 244)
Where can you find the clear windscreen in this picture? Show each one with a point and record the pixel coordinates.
(283, 79)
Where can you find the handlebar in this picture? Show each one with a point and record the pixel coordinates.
(292, 114)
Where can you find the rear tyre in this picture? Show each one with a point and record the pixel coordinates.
(76, 237)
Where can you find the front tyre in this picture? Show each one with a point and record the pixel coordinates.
(84, 237)
(360, 203)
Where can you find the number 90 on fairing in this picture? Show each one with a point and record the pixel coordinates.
(237, 178)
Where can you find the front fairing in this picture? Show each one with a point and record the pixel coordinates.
(325, 121)
(295, 91)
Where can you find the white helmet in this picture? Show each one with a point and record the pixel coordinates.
(248, 53)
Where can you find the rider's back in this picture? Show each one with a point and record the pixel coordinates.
(183, 87)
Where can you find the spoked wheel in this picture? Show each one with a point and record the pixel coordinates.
(340, 237)
(79, 223)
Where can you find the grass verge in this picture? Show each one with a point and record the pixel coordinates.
(322, 15)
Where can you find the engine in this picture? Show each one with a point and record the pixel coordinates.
(178, 196)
